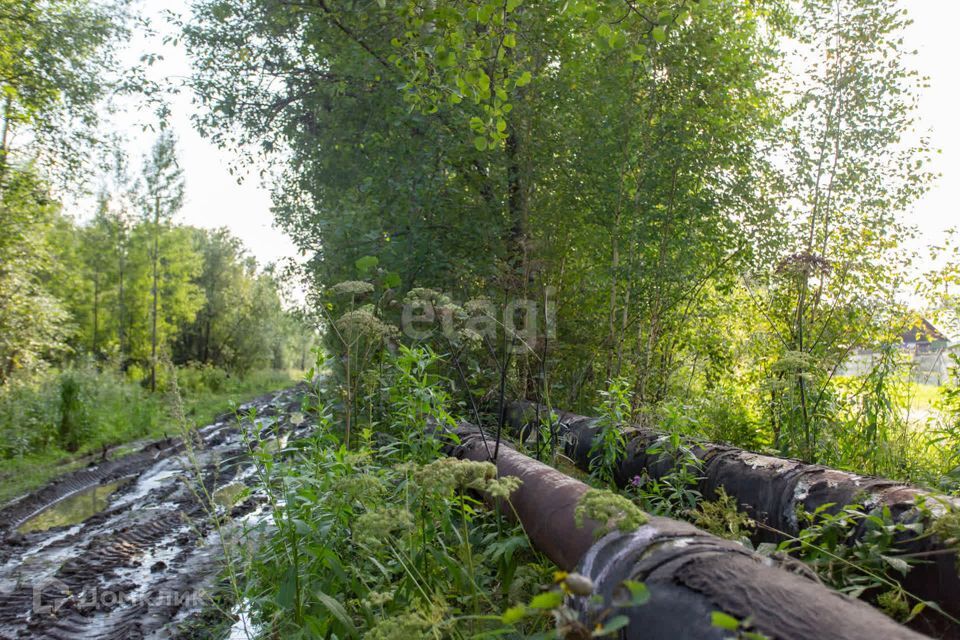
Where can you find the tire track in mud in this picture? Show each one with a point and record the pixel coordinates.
(141, 566)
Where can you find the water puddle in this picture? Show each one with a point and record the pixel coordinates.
(243, 628)
(160, 475)
(73, 510)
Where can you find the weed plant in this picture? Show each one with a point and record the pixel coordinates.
(386, 538)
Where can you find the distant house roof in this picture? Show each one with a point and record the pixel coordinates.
(922, 332)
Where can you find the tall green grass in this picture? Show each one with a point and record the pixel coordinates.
(54, 422)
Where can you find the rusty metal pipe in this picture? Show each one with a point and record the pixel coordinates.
(772, 489)
(690, 574)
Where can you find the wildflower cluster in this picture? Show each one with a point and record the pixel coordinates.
(444, 476)
(478, 306)
(422, 294)
(416, 624)
(363, 323)
(502, 488)
(351, 288)
(379, 598)
(470, 336)
(440, 302)
(375, 527)
(359, 487)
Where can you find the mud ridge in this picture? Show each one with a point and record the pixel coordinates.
(146, 562)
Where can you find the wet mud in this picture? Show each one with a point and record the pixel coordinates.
(127, 548)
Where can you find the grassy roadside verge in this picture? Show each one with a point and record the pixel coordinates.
(202, 407)
(111, 415)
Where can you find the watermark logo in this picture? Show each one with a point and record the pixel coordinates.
(49, 596)
(522, 321)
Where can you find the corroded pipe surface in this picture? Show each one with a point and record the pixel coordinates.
(772, 490)
(690, 574)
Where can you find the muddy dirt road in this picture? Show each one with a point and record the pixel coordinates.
(125, 549)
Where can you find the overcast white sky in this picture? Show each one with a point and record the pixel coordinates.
(934, 36)
(214, 198)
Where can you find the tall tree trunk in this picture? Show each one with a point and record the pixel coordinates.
(517, 256)
(205, 355)
(153, 330)
(614, 283)
(96, 313)
(5, 138)
(614, 356)
(121, 311)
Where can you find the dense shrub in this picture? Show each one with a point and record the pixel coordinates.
(79, 407)
(718, 415)
(198, 378)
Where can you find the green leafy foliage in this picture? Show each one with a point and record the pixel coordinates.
(33, 323)
(79, 407)
(373, 543)
(57, 64)
(702, 200)
(675, 494)
(609, 444)
(831, 542)
(841, 258)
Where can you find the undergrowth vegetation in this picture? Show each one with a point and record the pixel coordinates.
(388, 537)
(385, 538)
(55, 421)
(374, 533)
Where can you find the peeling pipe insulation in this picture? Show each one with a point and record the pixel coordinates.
(690, 574)
(771, 490)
